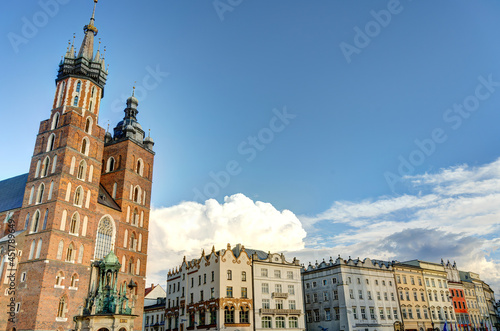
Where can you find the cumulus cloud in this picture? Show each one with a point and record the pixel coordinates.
(189, 227)
(455, 216)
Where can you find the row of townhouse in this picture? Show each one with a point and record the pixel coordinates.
(235, 289)
(238, 289)
(371, 295)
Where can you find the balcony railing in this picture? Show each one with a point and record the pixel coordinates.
(279, 295)
(280, 311)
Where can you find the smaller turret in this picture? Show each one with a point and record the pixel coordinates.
(129, 127)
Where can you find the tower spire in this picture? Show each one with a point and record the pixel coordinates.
(87, 48)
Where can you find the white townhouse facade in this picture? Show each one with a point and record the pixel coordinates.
(350, 295)
(217, 292)
(278, 294)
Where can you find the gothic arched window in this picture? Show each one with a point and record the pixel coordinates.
(35, 222)
(27, 221)
(32, 250)
(133, 242)
(61, 309)
(78, 196)
(50, 142)
(74, 225)
(45, 167)
(70, 253)
(55, 121)
(105, 237)
(61, 94)
(82, 168)
(85, 146)
(59, 278)
(78, 86)
(45, 219)
(137, 194)
(38, 249)
(131, 266)
(110, 166)
(135, 217)
(39, 195)
(88, 123)
(140, 167)
(75, 102)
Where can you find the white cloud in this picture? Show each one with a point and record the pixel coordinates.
(455, 215)
(189, 227)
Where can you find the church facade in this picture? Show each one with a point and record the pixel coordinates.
(86, 196)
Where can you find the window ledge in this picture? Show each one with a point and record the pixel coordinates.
(61, 319)
(73, 288)
(59, 286)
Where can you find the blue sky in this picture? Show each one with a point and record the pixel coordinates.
(225, 74)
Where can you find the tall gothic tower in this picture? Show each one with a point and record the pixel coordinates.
(87, 194)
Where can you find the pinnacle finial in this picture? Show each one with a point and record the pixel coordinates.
(93, 12)
(133, 89)
(149, 135)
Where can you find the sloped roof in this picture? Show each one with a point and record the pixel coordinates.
(261, 255)
(12, 192)
(6, 237)
(105, 199)
(148, 289)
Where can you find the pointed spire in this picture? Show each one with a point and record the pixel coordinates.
(97, 57)
(87, 48)
(103, 64)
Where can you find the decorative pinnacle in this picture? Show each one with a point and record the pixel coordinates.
(133, 89)
(93, 12)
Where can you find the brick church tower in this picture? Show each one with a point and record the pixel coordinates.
(87, 194)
